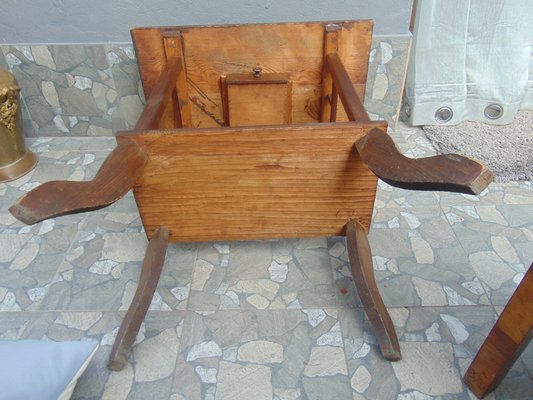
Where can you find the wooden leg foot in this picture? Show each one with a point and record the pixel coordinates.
(151, 271)
(360, 257)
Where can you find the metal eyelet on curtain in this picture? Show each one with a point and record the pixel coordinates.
(493, 111)
(443, 115)
(407, 109)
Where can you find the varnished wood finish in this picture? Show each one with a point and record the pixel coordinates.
(332, 38)
(255, 182)
(353, 105)
(266, 100)
(449, 172)
(114, 179)
(154, 260)
(160, 97)
(214, 51)
(360, 257)
(174, 48)
(508, 338)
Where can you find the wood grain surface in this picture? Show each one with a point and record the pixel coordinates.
(360, 257)
(160, 98)
(293, 48)
(508, 338)
(153, 263)
(446, 172)
(113, 180)
(259, 101)
(254, 182)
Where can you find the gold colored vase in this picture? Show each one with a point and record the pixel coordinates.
(15, 159)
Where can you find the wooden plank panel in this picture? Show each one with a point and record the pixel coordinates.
(254, 182)
(293, 48)
(266, 100)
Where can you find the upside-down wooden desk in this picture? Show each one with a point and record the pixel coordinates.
(242, 138)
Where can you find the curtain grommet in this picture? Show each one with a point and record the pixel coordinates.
(443, 115)
(493, 111)
(407, 109)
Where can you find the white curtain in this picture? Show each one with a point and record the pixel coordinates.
(471, 60)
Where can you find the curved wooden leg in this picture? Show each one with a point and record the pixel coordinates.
(360, 257)
(114, 179)
(448, 172)
(151, 271)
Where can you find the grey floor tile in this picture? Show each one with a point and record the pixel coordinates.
(499, 244)
(437, 344)
(418, 261)
(512, 193)
(102, 270)
(275, 274)
(262, 354)
(392, 197)
(30, 257)
(84, 144)
(12, 324)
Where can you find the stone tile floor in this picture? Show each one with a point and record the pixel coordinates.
(275, 319)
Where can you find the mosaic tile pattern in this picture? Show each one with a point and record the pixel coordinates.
(69, 90)
(384, 90)
(418, 261)
(438, 344)
(273, 275)
(278, 317)
(288, 354)
(95, 90)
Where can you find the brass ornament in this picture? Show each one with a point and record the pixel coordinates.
(15, 159)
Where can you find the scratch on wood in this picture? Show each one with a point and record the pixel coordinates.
(198, 103)
(271, 166)
(201, 92)
(312, 109)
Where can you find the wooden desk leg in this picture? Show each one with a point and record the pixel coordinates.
(151, 271)
(360, 257)
(117, 175)
(508, 338)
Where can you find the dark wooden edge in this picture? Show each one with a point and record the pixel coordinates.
(182, 28)
(114, 179)
(154, 260)
(160, 95)
(360, 257)
(226, 129)
(450, 172)
(225, 99)
(510, 335)
(265, 78)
